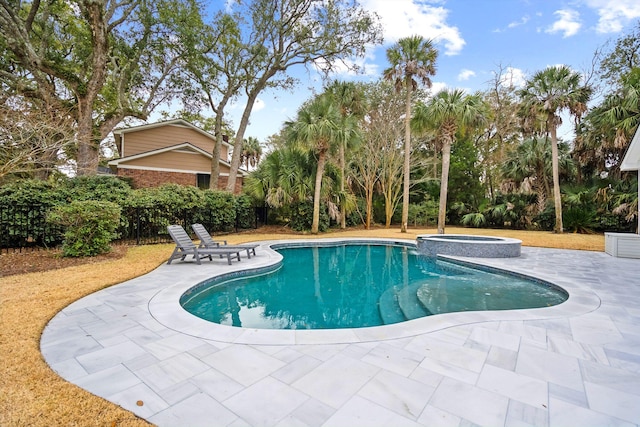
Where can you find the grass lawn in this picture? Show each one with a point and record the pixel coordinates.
(32, 394)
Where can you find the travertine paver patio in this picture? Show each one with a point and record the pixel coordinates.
(576, 364)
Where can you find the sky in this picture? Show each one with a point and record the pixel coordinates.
(474, 39)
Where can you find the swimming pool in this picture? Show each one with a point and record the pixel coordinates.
(360, 285)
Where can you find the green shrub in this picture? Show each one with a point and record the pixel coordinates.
(217, 211)
(302, 217)
(104, 188)
(245, 211)
(423, 214)
(89, 226)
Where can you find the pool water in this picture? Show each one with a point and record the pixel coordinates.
(360, 285)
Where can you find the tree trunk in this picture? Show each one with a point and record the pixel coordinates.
(444, 183)
(87, 157)
(244, 122)
(407, 158)
(369, 199)
(315, 225)
(557, 201)
(343, 214)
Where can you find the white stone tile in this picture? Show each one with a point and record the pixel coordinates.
(569, 395)
(110, 356)
(109, 381)
(502, 358)
(266, 402)
(216, 385)
(296, 369)
(613, 402)
(495, 338)
(172, 345)
(467, 359)
(171, 372)
(594, 329)
(563, 414)
(434, 417)
(550, 367)
(450, 371)
(393, 359)
(336, 380)
(311, 413)
(361, 412)
(243, 363)
(612, 377)
(426, 376)
(196, 410)
(531, 391)
(402, 395)
(523, 415)
(69, 369)
(472, 403)
(140, 400)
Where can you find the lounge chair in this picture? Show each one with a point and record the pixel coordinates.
(207, 242)
(185, 246)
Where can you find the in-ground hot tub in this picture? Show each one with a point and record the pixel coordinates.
(468, 245)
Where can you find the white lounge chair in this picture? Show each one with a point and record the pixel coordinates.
(185, 246)
(207, 242)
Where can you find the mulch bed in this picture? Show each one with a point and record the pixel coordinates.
(35, 260)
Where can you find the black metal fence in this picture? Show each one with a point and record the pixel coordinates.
(23, 227)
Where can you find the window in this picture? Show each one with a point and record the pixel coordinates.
(203, 180)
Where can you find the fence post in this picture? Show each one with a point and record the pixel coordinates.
(137, 225)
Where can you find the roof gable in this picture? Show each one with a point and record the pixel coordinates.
(631, 160)
(175, 122)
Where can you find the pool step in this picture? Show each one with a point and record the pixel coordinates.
(390, 311)
(409, 303)
(398, 305)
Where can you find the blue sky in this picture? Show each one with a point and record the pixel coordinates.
(474, 38)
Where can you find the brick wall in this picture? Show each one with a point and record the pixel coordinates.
(146, 178)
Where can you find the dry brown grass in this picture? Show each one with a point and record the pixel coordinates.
(32, 394)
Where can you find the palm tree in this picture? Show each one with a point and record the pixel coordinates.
(411, 57)
(446, 113)
(528, 166)
(251, 152)
(548, 93)
(317, 128)
(349, 98)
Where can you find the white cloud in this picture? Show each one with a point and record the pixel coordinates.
(466, 74)
(614, 14)
(403, 18)
(523, 21)
(345, 67)
(568, 23)
(258, 105)
(513, 24)
(437, 87)
(513, 77)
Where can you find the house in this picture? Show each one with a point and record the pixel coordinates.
(627, 245)
(173, 151)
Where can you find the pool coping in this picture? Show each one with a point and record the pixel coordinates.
(165, 306)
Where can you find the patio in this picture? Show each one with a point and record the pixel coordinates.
(574, 364)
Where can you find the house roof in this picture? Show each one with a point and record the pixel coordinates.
(631, 160)
(175, 122)
(185, 146)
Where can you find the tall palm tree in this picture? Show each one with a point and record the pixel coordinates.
(528, 166)
(446, 113)
(548, 93)
(251, 152)
(411, 58)
(317, 128)
(349, 98)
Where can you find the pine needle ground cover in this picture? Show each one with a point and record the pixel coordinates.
(32, 394)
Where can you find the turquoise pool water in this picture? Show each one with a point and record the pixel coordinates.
(360, 285)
